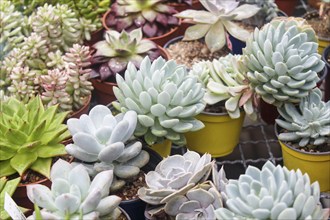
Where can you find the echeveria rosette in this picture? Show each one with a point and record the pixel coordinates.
(119, 48)
(103, 141)
(216, 21)
(153, 16)
(198, 203)
(73, 195)
(175, 175)
(308, 124)
(283, 61)
(225, 80)
(272, 193)
(164, 96)
(30, 136)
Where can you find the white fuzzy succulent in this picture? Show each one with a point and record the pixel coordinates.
(283, 60)
(165, 98)
(272, 193)
(307, 124)
(74, 196)
(213, 23)
(104, 142)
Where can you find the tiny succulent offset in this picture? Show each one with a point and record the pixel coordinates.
(153, 16)
(273, 192)
(174, 176)
(308, 124)
(104, 142)
(30, 136)
(213, 23)
(118, 49)
(74, 196)
(283, 61)
(165, 98)
(225, 80)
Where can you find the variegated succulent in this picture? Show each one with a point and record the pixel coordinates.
(213, 23)
(198, 203)
(153, 16)
(225, 80)
(174, 176)
(165, 98)
(104, 142)
(74, 196)
(283, 61)
(272, 193)
(119, 48)
(307, 124)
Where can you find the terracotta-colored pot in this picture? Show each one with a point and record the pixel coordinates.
(82, 110)
(159, 40)
(196, 5)
(103, 90)
(288, 6)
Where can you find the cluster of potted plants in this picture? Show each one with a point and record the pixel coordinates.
(62, 158)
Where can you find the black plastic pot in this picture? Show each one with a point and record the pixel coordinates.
(327, 79)
(135, 208)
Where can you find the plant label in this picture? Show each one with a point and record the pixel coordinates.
(12, 208)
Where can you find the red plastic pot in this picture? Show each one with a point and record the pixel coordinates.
(288, 6)
(82, 110)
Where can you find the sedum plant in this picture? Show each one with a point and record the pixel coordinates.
(119, 48)
(198, 203)
(104, 142)
(283, 61)
(225, 80)
(271, 193)
(74, 196)
(30, 136)
(165, 98)
(153, 16)
(308, 124)
(175, 176)
(213, 23)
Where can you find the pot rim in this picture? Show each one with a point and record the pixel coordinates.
(295, 149)
(326, 52)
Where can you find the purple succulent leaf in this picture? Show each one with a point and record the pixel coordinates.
(171, 20)
(149, 15)
(131, 28)
(117, 64)
(94, 74)
(139, 21)
(136, 60)
(105, 72)
(123, 23)
(118, 10)
(153, 54)
(99, 59)
(162, 19)
(111, 20)
(150, 29)
(162, 8)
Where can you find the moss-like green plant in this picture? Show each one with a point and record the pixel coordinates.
(30, 136)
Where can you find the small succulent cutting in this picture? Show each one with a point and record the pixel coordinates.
(165, 98)
(307, 124)
(272, 193)
(283, 61)
(225, 80)
(153, 16)
(104, 142)
(30, 136)
(216, 21)
(74, 196)
(119, 48)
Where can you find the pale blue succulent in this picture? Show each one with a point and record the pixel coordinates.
(273, 192)
(165, 98)
(103, 141)
(74, 196)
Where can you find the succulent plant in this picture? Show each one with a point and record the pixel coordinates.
(307, 124)
(187, 2)
(74, 196)
(106, 141)
(218, 18)
(174, 176)
(165, 98)
(30, 136)
(153, 16)
(272, 193)
(198, 203)
(12, 28)
(225, 80)
(119, 48)
(268, 11)
(283, 61)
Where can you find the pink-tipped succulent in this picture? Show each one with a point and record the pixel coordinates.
(118, 49)
(153, 16)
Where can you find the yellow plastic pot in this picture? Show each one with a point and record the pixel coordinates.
(163, 149)
(317, 165)
(219, 137)
(323, 43)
